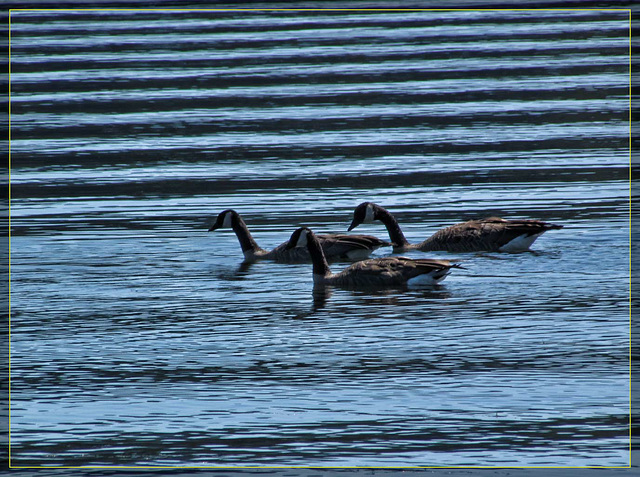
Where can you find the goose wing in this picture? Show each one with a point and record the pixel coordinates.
(491, 233)
(391, 271)
(336, 246)
(282, 254)
(341, 245)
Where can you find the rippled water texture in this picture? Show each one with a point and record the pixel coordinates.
(137, 338)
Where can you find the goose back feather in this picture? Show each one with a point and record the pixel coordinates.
(491, 234)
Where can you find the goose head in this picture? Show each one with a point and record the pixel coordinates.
(299, 238)
(363, 214)
(225, 220)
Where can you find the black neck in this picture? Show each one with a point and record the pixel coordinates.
(244, 236)
(320, 264)
(390, 222)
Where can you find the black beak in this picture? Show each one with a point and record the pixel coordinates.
(213, 227)
(352, 226)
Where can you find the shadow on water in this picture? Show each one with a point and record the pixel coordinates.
(386, 296)
(321, 296)
(241, 272)
(510, 255)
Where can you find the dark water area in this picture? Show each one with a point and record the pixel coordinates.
(140, 339)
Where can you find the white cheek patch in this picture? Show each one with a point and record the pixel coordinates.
(226, 222)
(302, 240)
(368, 215)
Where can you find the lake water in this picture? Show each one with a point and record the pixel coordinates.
(138, 338)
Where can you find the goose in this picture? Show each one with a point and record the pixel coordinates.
(374, 272)
(491, 234)
(335, 246)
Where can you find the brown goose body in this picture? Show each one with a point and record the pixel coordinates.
(335, 246)
(491, 234)
(375, 272)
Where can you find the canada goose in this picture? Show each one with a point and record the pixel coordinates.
(491, 234)
(375, 272)
(335, 246)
